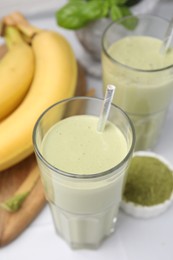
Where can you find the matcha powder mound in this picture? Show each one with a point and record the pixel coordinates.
(149, 181)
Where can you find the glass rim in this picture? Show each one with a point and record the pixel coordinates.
(78, 175)
(121, 64)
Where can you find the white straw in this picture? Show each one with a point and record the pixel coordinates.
(105, 107)
(168, 38)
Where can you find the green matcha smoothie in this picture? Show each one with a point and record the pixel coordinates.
(82, 169)
(84, 210)
(144, 83)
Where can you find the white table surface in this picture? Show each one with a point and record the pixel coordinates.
(134, 239)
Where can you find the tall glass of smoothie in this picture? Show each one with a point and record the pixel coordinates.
(83, 170)
(133, 61)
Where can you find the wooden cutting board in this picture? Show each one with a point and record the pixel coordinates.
(12, 224)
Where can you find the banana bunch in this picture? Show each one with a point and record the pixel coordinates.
(48, 74)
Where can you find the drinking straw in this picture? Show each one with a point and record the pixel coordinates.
(105, 107)
(168, 38)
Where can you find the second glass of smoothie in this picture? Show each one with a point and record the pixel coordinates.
(132, 60)
(83, 170)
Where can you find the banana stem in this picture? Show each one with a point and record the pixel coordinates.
(21, 24)
(1, 28)
(15, 202)
(28, 30)
(12, 36)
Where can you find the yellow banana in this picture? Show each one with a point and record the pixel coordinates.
(16, 72)
(55, 79)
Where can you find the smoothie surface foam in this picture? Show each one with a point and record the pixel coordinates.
(141, 52)
(74, 145)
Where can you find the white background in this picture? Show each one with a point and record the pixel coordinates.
(134, 239)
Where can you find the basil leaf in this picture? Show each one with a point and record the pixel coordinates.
(71, 16)
(94, 10)
(132, 21)
(75, 1)
(105, 7)
(125, 11)
(115, 13)
(121, 2)
(117, 2)
(76, 15)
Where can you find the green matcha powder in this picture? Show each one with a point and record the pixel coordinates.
(149, 181)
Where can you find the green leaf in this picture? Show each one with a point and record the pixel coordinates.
(105, 9)
(70, 16)
(125, 11)
(99, 6)
(121, 2)
(116, 13)
(131, 22)
(117, 2)
(76, 15)
(75, 1)
(14, 203)
(94, 10)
